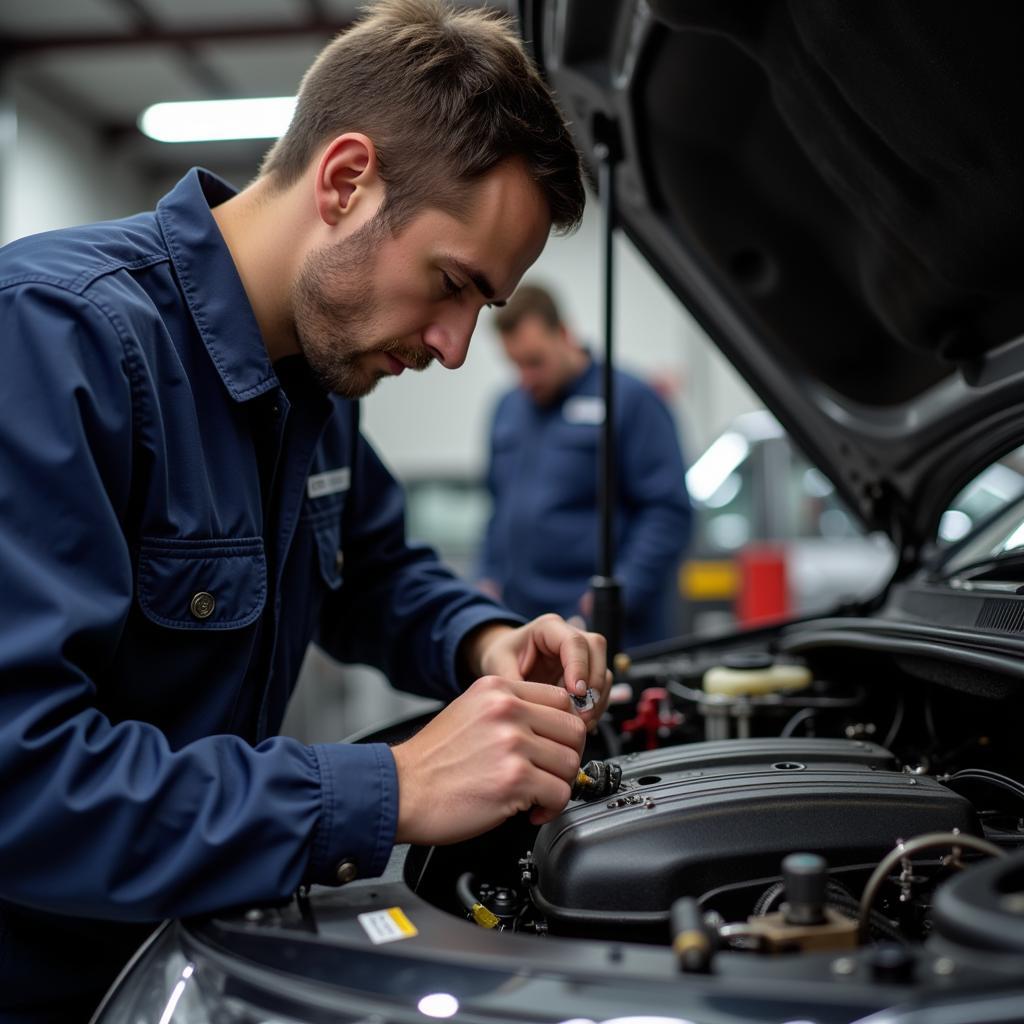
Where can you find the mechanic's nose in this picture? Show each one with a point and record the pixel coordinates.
(449, 341)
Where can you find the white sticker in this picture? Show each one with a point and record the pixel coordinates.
(334, 480)
(587, 409)
(387, 925)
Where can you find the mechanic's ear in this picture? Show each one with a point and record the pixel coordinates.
(348, 184)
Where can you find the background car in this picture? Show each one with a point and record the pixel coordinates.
(773, 538)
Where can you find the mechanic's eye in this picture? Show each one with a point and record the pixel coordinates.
(451, 289)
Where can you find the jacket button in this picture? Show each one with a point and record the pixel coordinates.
(202, 605)
(346, 871)
(339, 560)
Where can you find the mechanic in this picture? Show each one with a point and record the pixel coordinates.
(188, 502)
(541, 545)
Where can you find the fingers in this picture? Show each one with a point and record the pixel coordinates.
(536, 746)
(544, 711)
(582, 655)
(552, 757)
(503, 746)
(564, 728)
(577, 662)
(574, 650)
(547, 710)
(549, 797)
(540, 693)
(547, 650)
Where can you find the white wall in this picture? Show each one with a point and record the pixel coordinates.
(437, 422)
(53, 172)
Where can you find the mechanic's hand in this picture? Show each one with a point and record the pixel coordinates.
(502, 746)
(546, 650)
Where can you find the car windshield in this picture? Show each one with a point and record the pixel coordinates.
(996, 545)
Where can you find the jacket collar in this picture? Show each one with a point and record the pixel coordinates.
(212, 288)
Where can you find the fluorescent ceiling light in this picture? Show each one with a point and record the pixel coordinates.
(209, 120)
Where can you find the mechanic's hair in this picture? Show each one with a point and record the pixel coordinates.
(528, 300)
(445, 95)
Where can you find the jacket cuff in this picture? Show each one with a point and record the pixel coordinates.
(359, 812)
(461, 626)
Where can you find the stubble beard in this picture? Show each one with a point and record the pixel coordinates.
(334, 330)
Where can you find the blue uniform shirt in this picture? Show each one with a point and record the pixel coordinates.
(542, 545)
(179, 520)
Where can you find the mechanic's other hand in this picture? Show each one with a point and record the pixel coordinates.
(503, 746)
(549, 650)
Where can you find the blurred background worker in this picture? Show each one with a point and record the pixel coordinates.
(541, 545)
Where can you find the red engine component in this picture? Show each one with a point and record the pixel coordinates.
(655, 717)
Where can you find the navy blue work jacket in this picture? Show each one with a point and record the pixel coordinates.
(178, 520)
(542, 542)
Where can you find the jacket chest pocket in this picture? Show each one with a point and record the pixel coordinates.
(219, 583)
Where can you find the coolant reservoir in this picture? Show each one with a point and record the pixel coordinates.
(755, 676)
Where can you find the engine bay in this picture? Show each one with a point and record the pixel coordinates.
(834, 801)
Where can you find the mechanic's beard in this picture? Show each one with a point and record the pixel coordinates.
(335, 330)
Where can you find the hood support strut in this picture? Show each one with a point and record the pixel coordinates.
(605, 588)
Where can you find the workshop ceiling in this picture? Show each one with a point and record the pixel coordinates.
(105, 61)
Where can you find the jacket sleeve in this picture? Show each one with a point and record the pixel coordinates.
(400, 609)
(653, 487)
(103, 818)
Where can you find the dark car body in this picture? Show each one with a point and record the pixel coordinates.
(837, 191)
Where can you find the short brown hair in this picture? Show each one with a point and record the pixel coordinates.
(445, 95)
(528, 300)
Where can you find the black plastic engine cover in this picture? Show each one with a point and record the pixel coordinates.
(692, 818)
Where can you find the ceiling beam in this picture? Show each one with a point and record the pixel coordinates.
(201, 71)
(22, 46)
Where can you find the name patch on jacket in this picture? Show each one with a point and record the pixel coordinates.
(334, 480)
(587, 409)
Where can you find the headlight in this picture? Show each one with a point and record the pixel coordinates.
(163, 985)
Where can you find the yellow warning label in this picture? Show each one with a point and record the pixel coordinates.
(404, 924)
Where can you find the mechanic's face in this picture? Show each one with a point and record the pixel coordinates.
(543, 357)
(374, 305)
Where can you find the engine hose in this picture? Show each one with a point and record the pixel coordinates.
(846, 903)
(918, 844)
(790, 728)
(767, 898)
(1002, 782)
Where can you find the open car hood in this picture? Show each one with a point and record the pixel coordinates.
(836, 191)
